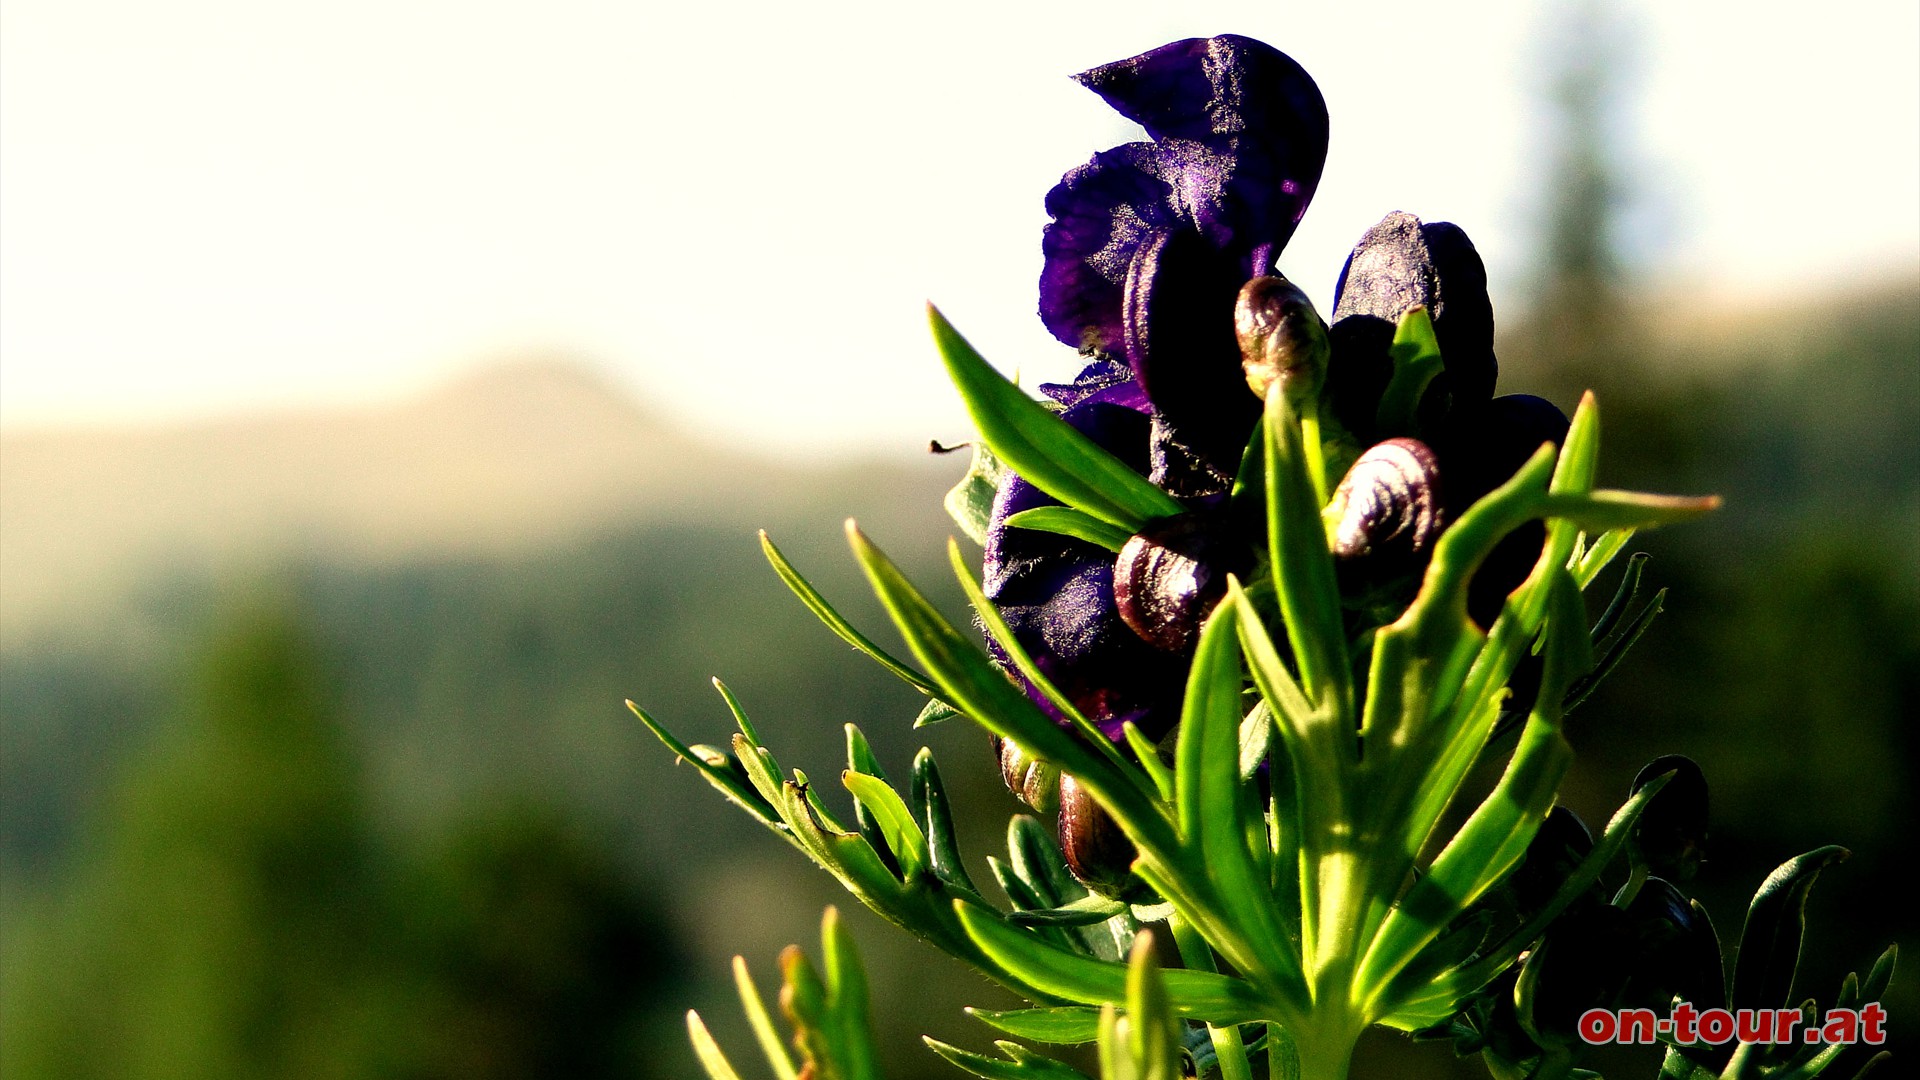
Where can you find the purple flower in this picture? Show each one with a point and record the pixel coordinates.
(1400, 264)
(1057, 593)
(1151, 241)
(1148, 248)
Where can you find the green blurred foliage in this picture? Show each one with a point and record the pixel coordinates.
(239, 913)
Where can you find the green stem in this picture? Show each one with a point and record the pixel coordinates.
(1315, 453)
(1227, 1045)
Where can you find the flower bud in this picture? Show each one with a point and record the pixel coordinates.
(1388, 506)
(1281, 338)
(1169, 576)
(1031, 780)
(1555, 852)
(1097, 851)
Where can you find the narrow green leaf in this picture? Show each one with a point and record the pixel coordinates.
(817, 604)
(1598, 511)
(1439, 999)
(1148, 755)
(935, 817)
(894, 821)
(1415, 353)
(1153, 1031)
(860, 759)
(935, 711)
(1065, 1025)
(1067, 521)
(1601, 552)
(720, 776)
(848, 1003)
(1087, 910)
(708, 1051)
(1003, 634)
(1584, 687)
(1303, 567)
(1197, 994)
(977, 687)
(1624, 595)
(1880, 976)
(755, 1007)
(1214, 805)
(1032, 1067)
(1770, 943)
(1046, 451)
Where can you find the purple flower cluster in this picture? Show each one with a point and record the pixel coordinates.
(1149, 249)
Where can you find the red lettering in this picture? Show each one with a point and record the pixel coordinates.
(1637, 1026)
(1597, 1026)
(1683, 1020)
(1716, 1026)
(1872, 1019)
(1842, 1026)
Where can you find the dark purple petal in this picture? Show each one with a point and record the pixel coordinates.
(1103, 381)
(1056, 594)
(1100, 211)
(1482, 449)
(1401, 264)
(1240, 136)
(1180, 341)
(1250, 103)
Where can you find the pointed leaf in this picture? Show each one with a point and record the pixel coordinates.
(1045, 450)
(1067, 521)
(817, 604)
(1770, 942)
(1062, 1024)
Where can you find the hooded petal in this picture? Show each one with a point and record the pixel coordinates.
(1401, 264)
(1240, 136)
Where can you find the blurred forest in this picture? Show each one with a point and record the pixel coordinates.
(336, 814)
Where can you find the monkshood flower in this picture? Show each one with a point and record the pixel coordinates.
(1151, 242)
(1148, 249)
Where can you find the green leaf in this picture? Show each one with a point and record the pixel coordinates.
(1152, 1041)
(1045, 450)
(860, 759)
(935, 818)
(755, 1007)
(708, 1051)
(970, 502)
(1599, 511)
(1023, 1064)
(1214, 806)
(1062, 1024)
(1438, 1000)
(1089, 909)
(817, 604)
(846, 981)
(1880, 976)
(1303, 567)
(719, 773)
(935, 711)
(1770, 943)
(997, 626)
(1601, 552)
(894, 821)
(976, 686)
(1067, 521)
(1073, 977)
(1416, 360)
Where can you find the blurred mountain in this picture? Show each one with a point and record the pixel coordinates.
(510, 459)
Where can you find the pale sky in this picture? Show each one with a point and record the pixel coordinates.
(737, 209)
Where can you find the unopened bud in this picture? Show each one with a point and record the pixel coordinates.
(1388, 506)
(1281, 338)
(1031, 780)
(1097, 851)
(1169, 576)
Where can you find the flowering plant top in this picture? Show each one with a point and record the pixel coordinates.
(1257, 593)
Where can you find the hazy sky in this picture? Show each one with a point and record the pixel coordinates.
(737, 209)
